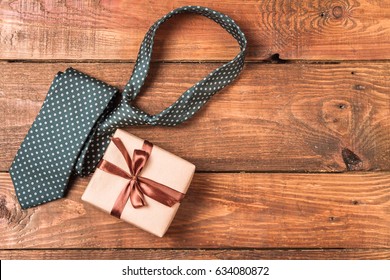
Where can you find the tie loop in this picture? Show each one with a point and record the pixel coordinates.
(182, 109)
(207, 86)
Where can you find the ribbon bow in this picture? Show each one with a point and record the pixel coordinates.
(138, 186)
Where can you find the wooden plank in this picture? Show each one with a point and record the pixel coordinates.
(221, 210)
(290, 117)
(198, 254)
(113, 30)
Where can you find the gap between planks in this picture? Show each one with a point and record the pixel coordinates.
(305, 30)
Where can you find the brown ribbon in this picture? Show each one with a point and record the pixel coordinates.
(138, 186)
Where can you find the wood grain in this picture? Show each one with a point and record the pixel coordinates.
(197, 254)
(226, 210)
(292, 115)
(113, 30)
(275, 117)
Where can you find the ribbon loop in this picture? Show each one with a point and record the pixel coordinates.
(140, 158)
(137, 187)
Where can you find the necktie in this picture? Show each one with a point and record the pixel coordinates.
(78, 116)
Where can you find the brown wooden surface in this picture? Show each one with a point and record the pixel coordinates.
(222, 210)
(113, 30)
(314, 96)
(198, 254)
(278, 117)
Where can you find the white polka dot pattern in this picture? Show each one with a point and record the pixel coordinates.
(183, 109)
(74, 125)
(45, 160)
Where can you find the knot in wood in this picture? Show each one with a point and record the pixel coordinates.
(337, 12)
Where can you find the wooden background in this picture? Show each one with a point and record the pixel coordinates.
(293, 158)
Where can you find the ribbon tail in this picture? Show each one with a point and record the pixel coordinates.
(159, 192)
(121, 201)
(137, 198)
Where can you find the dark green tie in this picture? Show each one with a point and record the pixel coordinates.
(74, 125)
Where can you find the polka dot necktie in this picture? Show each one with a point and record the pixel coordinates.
(78, 116)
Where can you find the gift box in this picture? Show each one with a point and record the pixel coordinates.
(139, 183)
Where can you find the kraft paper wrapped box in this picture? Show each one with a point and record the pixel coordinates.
(146, 189)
